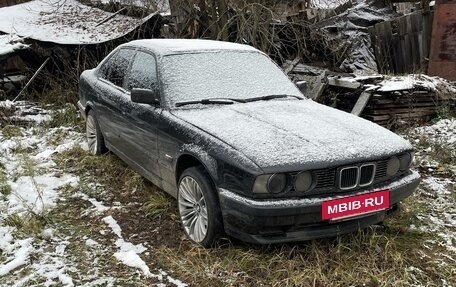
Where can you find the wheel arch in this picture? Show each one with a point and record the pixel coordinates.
(187, 160)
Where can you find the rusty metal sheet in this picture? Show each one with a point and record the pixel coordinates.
(442, 60)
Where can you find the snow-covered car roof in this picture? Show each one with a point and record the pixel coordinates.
(164, 47)
(65, 22)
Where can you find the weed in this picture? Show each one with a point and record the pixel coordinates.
(10, 131)
(5, 188)
(158, 203)
(14, 220)
(66, 116)
(443, 112)
(439, 151)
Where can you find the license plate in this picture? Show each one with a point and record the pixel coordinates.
(353, 206)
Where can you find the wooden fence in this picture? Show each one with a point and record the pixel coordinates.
(402, 45)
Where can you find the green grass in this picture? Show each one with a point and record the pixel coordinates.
(10, 131)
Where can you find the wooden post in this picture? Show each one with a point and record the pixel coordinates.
(31, 79)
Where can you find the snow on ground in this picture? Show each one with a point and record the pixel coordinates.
(444, 131)
(438, 188)
(128, 254)
(32, 185)
(31, 192)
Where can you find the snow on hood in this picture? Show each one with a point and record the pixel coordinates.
(295, 134)
(11, 43)
(65, 22)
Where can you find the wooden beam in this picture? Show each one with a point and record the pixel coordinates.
(361, 103)
(348, 83)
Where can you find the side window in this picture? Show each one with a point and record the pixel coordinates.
(115, 69)
(143, 73)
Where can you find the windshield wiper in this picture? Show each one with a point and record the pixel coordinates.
(270, 97)
(213, 101)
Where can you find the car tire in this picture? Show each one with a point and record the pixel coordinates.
(94, 136)
(199, 209)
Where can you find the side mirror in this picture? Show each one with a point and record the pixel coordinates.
(145, 96)
(302, 86)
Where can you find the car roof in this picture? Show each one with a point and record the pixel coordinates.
(165, 47)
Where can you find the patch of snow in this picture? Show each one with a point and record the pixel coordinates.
(438, 194)
(132, 259)
(112, 223)
(175, 281)
(444, 131)
(327, 4)
(128, 252)
(416, 81)
(11, 43)
(91, 243)
(17, 252)
(38, 193)
(47, 233)
(98, 206)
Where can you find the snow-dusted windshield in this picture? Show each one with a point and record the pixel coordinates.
(238, 75)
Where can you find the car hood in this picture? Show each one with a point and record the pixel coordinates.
(281, 135)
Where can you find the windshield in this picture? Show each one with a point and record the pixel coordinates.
(235, 75)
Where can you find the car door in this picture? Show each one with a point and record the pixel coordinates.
(113, 96)
(141, 120)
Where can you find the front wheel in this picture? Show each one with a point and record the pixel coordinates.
(198, 207)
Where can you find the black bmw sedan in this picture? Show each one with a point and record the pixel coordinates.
(220, 127)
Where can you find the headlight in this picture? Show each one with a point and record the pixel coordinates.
(406, 161)
(277, 183)
(270, 183)
(261, 184)
(393, 166)
(303, 181)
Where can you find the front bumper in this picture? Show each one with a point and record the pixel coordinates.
(278, 221)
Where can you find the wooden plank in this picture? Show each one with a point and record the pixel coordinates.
(387, 30)
(397, 54)
(402, 30)
(373, 106)
(361, 103)
(403, 110)
(399, 116)
(427, 24)
(343, 83)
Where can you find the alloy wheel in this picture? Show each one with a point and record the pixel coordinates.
(91, 134)
(193, 209)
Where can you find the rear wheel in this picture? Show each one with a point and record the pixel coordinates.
(94, 136)
(198, 207)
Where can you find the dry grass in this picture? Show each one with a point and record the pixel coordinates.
(389, 255)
